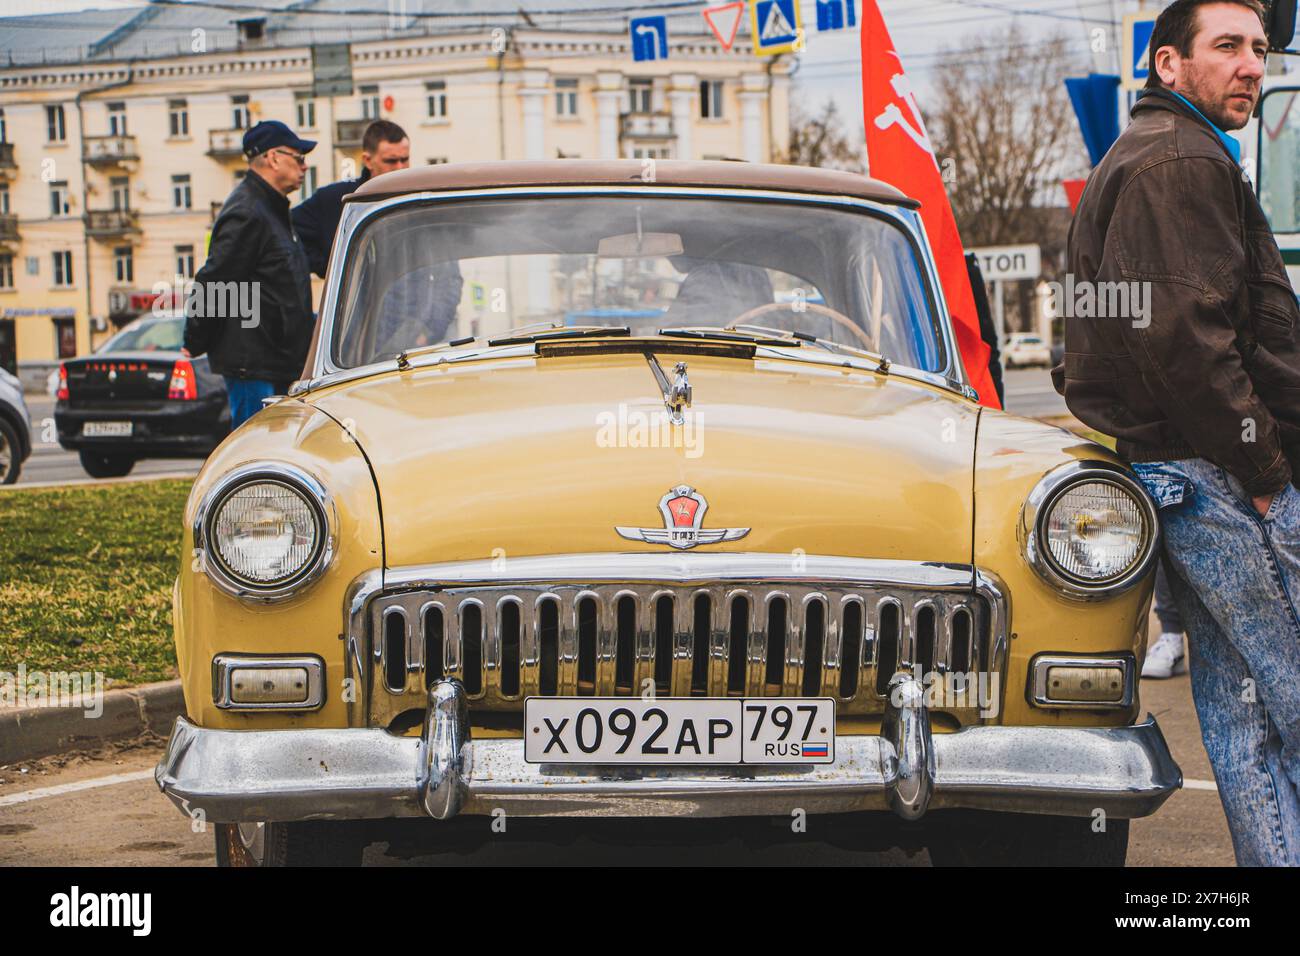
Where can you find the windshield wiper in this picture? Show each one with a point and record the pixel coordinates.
(729, 335)
(564, 332)
(836, 347)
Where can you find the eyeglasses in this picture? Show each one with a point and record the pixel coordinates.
(299, 158)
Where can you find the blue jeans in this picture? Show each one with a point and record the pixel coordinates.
(1236, 581)
(245, 396)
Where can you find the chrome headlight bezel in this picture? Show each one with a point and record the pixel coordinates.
(1038, 505)
(209, 561)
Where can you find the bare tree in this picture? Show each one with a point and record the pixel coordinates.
(819, 139)
(1003, 129)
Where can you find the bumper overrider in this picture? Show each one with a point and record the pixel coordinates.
(280, 775)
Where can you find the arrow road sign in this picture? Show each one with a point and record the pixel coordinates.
(649, 38)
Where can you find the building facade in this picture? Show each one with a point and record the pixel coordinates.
(113, 166)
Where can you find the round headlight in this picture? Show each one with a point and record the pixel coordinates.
(1094, 531)
(265, 534)
(1089, 529)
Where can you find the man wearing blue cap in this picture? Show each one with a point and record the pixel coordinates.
(250, 306)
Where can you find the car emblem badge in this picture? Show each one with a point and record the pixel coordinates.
(683, 510)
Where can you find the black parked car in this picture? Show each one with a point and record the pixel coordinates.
(139, 397)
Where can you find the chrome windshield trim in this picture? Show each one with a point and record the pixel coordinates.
(355, 214)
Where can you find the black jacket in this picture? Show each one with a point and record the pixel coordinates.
(252, 241)
(1212, 369)
(317, 219)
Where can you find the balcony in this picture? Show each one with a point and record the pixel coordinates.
(111, 223)
(657, 126)
(348, 132)
(7, 165)
(109, 150)
(226, 143)
(9, 227)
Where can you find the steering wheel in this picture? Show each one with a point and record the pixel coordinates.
(838, 317)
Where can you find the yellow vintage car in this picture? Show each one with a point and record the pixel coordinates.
(656, 489)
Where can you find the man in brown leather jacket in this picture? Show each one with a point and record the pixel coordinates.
(1181, 341)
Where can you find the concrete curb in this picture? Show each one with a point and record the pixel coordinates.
(32, 732)
(82, 482)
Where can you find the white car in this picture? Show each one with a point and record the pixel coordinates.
(1025, 348)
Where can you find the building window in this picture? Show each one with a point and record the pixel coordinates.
(4, 130)
(566, 97)
(120, 189)
(306, 110)
(651, 152)
(640, 95)
(124, 264)
(62, 267)
(65, 337)
(437, 160)
(6, 272)
(239, 111)
(711, 99)
(178, 118)
(59, 199)
(4, 199)
(181, 197)
(185, 261)
(308, 182)
(56, 131)
(116, 119)
(370, 102)
(435, 94)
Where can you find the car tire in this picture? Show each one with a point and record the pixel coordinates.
(1026, 839)
(106, 466)
(310, 843)
(11, 454)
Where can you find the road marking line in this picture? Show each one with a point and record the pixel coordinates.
(1200, 785)
(55, 791)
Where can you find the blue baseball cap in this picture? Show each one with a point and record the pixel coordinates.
(269, 134)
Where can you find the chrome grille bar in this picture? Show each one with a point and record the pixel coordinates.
(890, 631)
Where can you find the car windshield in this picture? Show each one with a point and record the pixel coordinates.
(431, 272)
(156, 335)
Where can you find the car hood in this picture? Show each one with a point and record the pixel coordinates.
(543, 455)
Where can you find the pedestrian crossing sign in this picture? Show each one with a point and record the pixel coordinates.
(775, 26)
(1134, 64)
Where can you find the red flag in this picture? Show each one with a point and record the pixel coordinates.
(899, 153)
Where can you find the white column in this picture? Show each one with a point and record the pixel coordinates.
(609, 99)
(681, 100)
(753, 92)
(532, 97)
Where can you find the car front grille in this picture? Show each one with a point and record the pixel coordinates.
(701, 630)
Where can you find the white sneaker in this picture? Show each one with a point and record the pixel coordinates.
(1165, 658)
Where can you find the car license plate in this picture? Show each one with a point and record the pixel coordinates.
(679, 730)
(106, 430)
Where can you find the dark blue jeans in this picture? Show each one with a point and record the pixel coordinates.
(245, 396)
(1236, 581)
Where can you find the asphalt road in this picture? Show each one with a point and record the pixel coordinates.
(118, 818)
(1029, 392)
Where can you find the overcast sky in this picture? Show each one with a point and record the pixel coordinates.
(921, 29)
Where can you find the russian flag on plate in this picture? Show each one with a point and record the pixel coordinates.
(814, 749)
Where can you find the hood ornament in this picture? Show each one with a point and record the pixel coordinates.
(677, 394)
(683, 510)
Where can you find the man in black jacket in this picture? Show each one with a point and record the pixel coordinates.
(250, 305)
(384, 148)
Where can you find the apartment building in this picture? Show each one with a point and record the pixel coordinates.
(120, 131)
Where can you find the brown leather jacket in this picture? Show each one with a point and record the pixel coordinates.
(1205, 361)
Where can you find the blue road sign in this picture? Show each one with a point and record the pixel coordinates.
(649, 38)
(1138, 28)
(774, 25)
(836, 14)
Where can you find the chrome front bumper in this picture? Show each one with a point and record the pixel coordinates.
(244, 776)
